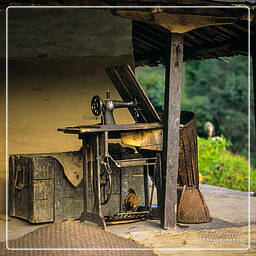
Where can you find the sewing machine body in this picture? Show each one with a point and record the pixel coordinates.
(105, 108)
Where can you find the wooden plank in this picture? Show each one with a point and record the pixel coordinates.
(143, 2)
(42, 211)
(229, 31)
(176, 22)
(129, 88)
(171, 130)
(159, 42)
(149, 139)
(211, 48)
(111, 128)
(200, 35)
(43, 189)
(72, 207)
(11, 196)
(147, 40)
(212, 30)
(146, 188)
(149, 30)
(193, 39)
(21, 195)
(43, 169)
(96, 141)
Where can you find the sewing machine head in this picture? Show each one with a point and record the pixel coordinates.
(106, 107)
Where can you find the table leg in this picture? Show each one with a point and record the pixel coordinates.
(85, 179)
(95, 216)
(146, 186)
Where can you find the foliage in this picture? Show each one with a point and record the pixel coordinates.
(152, 80)
(224, 91)
(220, 167)
(215, 91)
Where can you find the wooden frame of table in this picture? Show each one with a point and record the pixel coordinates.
(96, 136)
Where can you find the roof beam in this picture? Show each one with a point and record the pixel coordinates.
(176, 21)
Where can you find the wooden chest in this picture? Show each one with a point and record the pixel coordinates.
(40, 192)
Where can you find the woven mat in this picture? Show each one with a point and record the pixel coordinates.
(72, 235)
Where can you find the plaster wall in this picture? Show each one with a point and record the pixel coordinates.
(69, 32)
(52, 76)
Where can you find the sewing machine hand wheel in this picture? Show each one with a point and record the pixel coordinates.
(96, 105)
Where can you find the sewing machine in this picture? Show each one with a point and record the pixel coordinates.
(105, 108)
(101, 167)
(146, 136)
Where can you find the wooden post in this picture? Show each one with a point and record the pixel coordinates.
(173, 80)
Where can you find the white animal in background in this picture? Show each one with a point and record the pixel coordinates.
(209, 128)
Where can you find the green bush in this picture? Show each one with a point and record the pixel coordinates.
(219, 167)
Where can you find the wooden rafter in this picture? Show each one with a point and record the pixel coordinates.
(211, 47)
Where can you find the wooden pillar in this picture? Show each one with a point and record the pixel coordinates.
(173, 80)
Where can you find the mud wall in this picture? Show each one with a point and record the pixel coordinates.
(56, 64)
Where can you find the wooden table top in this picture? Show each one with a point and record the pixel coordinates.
(98, 128)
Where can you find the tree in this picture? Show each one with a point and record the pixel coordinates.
(214, 90)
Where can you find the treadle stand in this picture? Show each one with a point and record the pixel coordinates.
(98, 142)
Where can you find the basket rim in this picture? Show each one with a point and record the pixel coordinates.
(193, 117)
